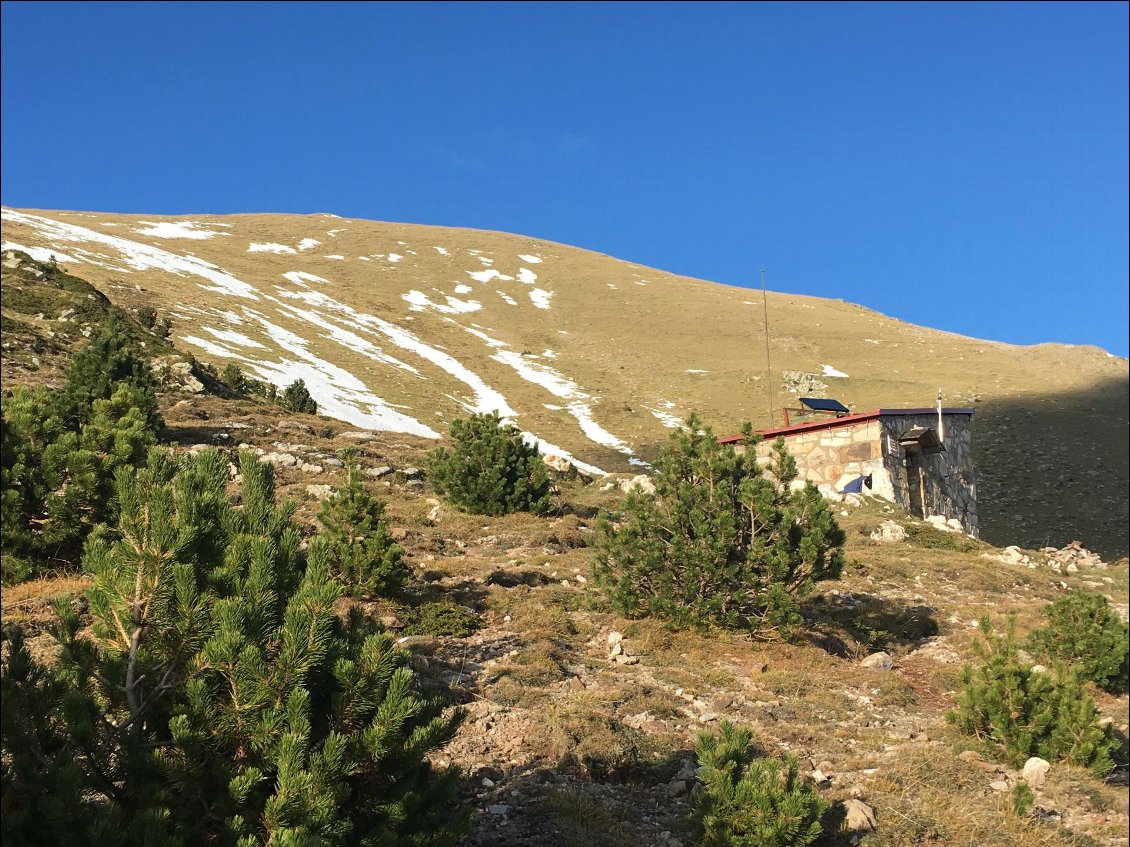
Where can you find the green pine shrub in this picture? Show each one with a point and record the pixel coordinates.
(1083, 630)
(1021, 799)
(61, 450)
(218, 698)
(1024, 712)
(233, 378)
(490, 469)
(296, 398)
(720, 542)
(749, 801)
(367, 561)
(439, 618)
(95, 372)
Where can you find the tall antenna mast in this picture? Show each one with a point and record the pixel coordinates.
(768, 368)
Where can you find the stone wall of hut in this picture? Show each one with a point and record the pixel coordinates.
(833, 457)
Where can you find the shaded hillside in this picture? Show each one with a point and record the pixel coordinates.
(403, 328)
(1048, 468)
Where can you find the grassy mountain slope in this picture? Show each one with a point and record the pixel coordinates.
(567, 744)
(405, 327)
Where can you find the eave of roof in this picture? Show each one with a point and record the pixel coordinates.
(846, 420)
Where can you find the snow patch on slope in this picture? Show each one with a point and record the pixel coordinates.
(527, 276)
(270, 247)
(420, 301)
(830, 371)
(530, 260)
(488, 275)
(540, 297)
(301, 278)
(40, 254)
(234, 337)
(176, 229)
(135, 254)
(666, 418)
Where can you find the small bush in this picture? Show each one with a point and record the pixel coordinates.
(751, 802)
(296, 398)
(147, 317)
(1021, 800)
(1083, 630)
(367, 561)
(1028, 713)
(233, 378)
(442, 618)
(490, 469)
(720, 542)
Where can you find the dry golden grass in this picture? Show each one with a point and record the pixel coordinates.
(34, 594)
(1050, 424)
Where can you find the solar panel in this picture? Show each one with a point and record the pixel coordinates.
(820, 404)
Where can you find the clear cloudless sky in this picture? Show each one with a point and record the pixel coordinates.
(960, 166)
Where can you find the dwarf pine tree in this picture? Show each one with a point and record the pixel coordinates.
(719, 542)
(356, 537)
(1083, 630)
(219, 698)
(749, 801)
(1024, 711)
(296, 398)
(490, 469)
(62, 448)
(98, 369)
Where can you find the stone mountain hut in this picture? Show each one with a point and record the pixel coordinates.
(919, 459)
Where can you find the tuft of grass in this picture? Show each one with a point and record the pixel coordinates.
(931, 538)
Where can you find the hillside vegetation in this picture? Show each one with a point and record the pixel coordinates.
(582, 721)
(406, 328)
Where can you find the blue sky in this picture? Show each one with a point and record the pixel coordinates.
(959, 166)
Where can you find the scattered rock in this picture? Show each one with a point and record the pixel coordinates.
(284, 460)
(1011, 555)
(803, 383)
(944, 524)
(1035, 771)
(676, 788)
(889, 531)
(640, 482)
(858, 816)
(638, 720)
(1074, 555)
(319, 492)
(878, 661)
(999, 785)
(498, 808)
(377, 473)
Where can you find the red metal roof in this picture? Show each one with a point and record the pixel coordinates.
(846, 420)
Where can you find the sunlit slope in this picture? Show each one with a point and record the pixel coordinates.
(404, 327)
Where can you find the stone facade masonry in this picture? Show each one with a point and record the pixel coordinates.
(923, 483)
